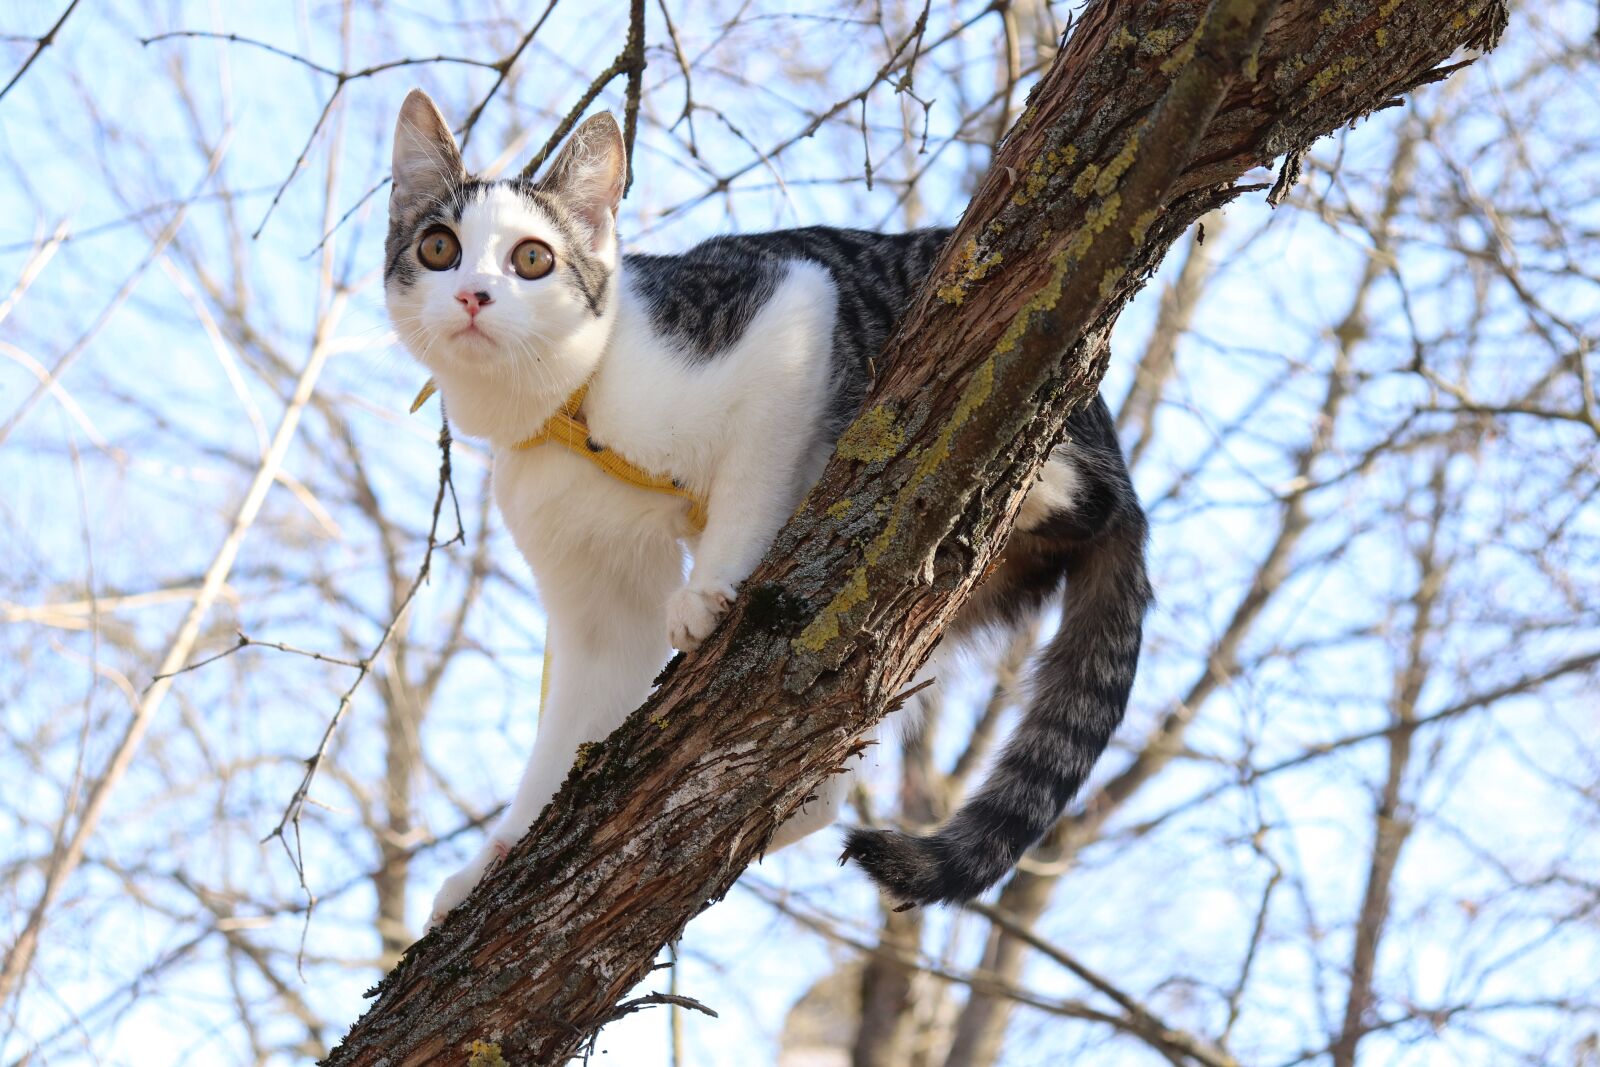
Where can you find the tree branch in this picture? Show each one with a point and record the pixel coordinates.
(39, 45)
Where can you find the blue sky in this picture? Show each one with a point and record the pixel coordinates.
(99, 131)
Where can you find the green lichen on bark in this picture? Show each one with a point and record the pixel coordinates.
(1044, 167)
(1333, 72)
(1180, 59)
(1108, 282)
(872, 438)
(1141, 226)
(969, 269)
(828, 625)
(825, 628)
(485, 1054)
(1336, 14)
(1118, 166)
(1084, 184)
(1095, 222)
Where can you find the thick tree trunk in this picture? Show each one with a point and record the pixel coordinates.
(1148, 114)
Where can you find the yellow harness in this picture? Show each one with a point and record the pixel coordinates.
(567, 429)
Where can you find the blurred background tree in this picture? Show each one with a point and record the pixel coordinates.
(1352, 816)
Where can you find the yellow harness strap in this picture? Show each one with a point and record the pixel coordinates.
(567, 429)
(544, 672)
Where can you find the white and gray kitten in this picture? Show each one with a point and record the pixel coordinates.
(730, 368)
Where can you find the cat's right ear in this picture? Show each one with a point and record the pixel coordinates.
(427, 164)
(590, 175)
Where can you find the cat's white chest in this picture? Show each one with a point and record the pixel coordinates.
(560, 507)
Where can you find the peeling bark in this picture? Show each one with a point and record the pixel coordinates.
(1147, 116)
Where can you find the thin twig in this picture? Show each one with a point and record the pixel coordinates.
(340, 75)
(634, 53)
(502, 67)
(1146, 1024)
(159, 245)
(464, 133)
(892, 65)
(244, 641)
(650, 1000)
(629, 61)
(39, 45)
(687, 114)
(295, 809)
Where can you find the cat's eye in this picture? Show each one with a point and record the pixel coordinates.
(532, 259)
(439, 249)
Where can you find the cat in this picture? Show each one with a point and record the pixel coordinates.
(729, 369)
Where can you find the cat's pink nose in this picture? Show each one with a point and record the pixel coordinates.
(472, 300)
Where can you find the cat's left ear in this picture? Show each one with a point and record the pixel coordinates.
(589, 175)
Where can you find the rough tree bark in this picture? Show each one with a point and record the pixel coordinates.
(1150, 112)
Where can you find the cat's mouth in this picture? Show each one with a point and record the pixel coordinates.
(472, 332)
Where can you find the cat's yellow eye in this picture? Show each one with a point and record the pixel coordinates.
(439, 249)
(532, 259)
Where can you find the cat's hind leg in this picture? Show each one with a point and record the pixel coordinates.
(819, 810)
(828, 798)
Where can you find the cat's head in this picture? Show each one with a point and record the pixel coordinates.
(504, 290)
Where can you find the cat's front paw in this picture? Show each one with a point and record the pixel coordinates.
(459, 885)
(694, 611)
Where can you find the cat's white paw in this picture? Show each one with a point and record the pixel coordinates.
(694, 611)
(459, 885)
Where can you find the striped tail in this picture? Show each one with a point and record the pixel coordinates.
(1080, 681)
